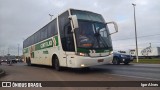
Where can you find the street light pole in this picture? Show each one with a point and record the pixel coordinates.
(18, 52)
(135, 31)
(8, 51)
(3, 53)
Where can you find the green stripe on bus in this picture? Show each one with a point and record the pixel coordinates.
(83, 50)
(43, 45)
(56, 38)
(102, 51)
(47, 44)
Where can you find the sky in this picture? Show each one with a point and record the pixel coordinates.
(21, 18)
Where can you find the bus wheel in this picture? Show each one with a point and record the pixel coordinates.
(29, 62)
(56, 64)
(26, 60)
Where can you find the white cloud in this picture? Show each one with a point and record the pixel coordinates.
(21, 18)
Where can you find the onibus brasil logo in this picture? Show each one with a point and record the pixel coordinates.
(21, 84)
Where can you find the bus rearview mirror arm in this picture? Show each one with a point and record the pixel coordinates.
(74, 21)
(115, 26)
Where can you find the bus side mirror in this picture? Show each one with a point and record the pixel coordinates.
(74, 20)
(115, 27)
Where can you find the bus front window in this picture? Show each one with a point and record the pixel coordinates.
(92, 35)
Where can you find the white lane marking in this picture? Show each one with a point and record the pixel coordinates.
(133, 76)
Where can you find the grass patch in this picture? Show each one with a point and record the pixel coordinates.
(148, 61)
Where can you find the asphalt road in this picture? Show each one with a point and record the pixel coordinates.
(137, 71)
(132, 72)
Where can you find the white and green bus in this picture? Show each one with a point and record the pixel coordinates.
(75, 39)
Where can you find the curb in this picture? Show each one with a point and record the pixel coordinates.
(2, 72)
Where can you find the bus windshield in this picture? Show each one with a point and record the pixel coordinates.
(92, 35)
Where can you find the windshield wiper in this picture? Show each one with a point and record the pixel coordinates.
(104, 43)
(99, 38)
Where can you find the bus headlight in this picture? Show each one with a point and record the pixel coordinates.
(111, 52)
(83, 54)
(82, 65)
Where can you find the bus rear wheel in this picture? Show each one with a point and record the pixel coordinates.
(28, 61)
(57, 65)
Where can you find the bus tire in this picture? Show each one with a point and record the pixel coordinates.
(56, 64)
(28, 62)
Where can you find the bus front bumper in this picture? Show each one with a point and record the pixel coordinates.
(81, 62)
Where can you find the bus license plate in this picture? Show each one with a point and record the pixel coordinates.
(100, 60)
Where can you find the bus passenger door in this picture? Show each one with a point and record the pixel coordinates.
(69, 46)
